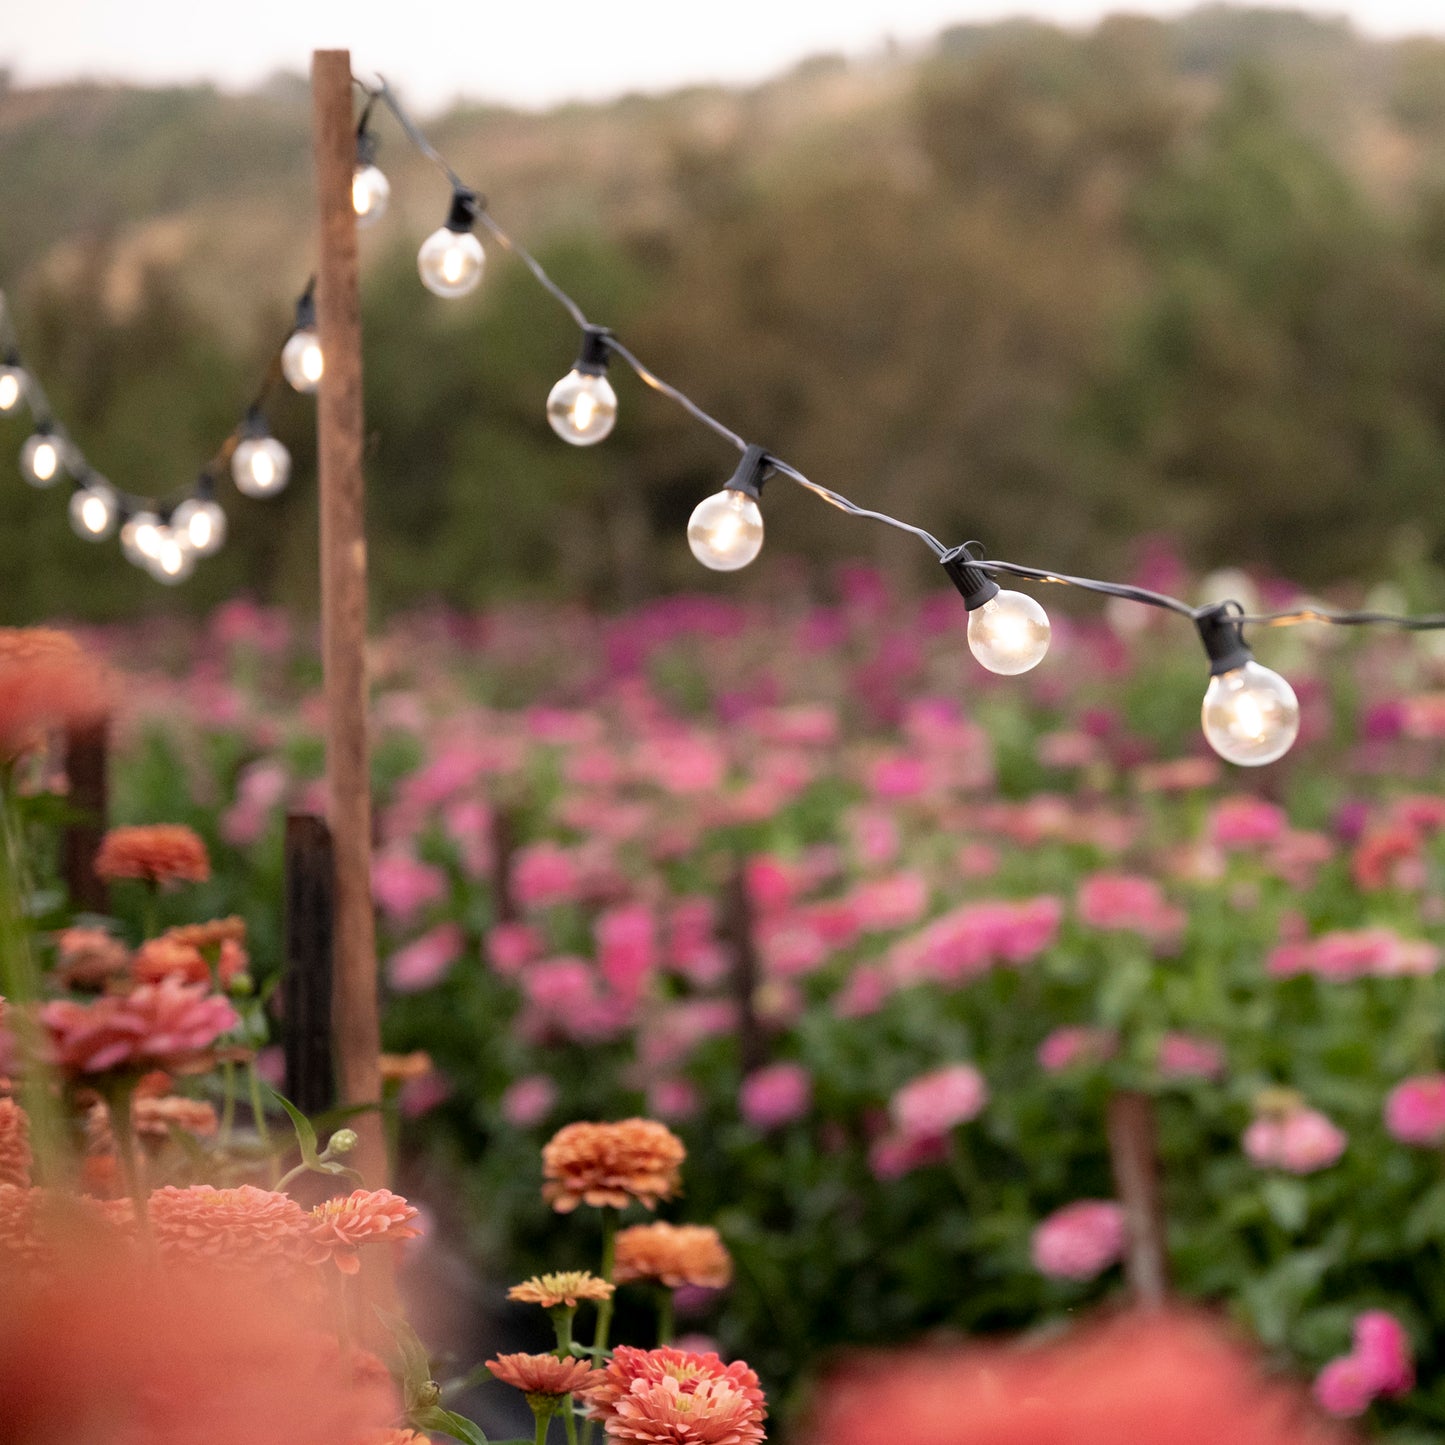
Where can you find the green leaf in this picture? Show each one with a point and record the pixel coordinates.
(1287, 1201)
(449, 1423)
(305, 1134)
(415, 1362)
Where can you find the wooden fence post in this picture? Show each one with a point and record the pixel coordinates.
(504, 849)
(306, 982)
(87, 767)
(738, 932)
(1134, 1157)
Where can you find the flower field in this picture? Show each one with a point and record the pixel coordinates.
(879, 936)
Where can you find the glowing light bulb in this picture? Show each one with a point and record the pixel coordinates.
(12, 388)
(199, 525)
(725, 530)
(370, 192)
(170, 562)
(1250, 715)
(450, 262)
(582, 408)
(260, 466)
(301, 359)
(40, 460)
(1009, 633)
(140, 538)
(94, 510)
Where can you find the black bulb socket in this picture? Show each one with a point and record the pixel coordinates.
(596, 352)
(466, 207)
(975, 586)
(1223, 638)
(752, 472)
(306, 311)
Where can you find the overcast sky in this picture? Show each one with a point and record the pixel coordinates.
(528, 52)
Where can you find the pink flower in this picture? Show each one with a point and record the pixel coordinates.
(1183, 1056)
(1245, 821)
(893, 1155)
(1129, 903)
(1066, 1047)
(890, 903)
(1415, 1110)
(159, 1025)
(403, 885)
(673, 1099)
(511, 946)
(1299, 1140)
(775, 1095)
(528, 1100)
(931, 1105)
(425, 961)
(259, 790)
(873, 836)
(626, 947)
(684, 764)
(1344, 1387)
(420, 1096)
(864, 993)
(544, 874)
(1079, 1241)
(1383, 1348)
(898, 776)
(773, 884)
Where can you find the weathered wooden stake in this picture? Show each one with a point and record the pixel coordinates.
(306, 984)
(738, 931)
(88, 770)
(504, 848)
(1134, 1156)
(343, 603)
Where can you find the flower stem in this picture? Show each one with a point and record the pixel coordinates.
(604, 1307)
(542, 1422)
(569, 1419)
(228, 1103)
(122, 1130)
(258, 1112)
(664, 1316)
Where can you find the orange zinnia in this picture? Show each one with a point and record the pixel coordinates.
(159, 853)
(167, 957)
(675, 1254)
(610, 1165)
(86, 958)
(544, 1375)
(642, 1393)
(336, 1229)
(46, 681)
(565, 1289)
(243, 1227)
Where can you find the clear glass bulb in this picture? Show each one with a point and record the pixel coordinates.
(12, 388)
(725, 530)
(301, 359)
(94, 510)
(582, 408)
(1250, 715)
(40, 460)
(199, 525)
(450, 262)
(260, 466)
(1009, 634)
(170, 562)
(140, 537)
(370, 191)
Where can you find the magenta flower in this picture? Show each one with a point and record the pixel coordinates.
(1380, 1363)
(1298, 1140)
(1415, 1110)
(528, 1100)
(1129, 903)
(1067, 1047)
(1344, 1387)
(776, 1095)
(933, 1104)
(544, 874)
(1246, 822)
(425, 961)
(403, 885)
(1079, 1241)
(1184, 1056)
(626, 947)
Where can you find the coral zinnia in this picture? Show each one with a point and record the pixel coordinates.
(166, 957)
(544, 1375)
(160, 853)
(552, 1290)
(633, 1372)
(664, 1413)
(675, 1254)
(167, 1024)
(46, 681)
(243, 1227)
(612, 1164)
(87, 957)
(336, 1229)
(14, 1144)
(153, 1117)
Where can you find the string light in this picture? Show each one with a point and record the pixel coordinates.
(169, 560)
(94, 509)
(199, 524)
(1250, 714)
(40, 457)
(370, 189)
(140, 537)
(260, 465)
(12, 384)
(301, 360)
(725, 530)
(582, 407)
(451, 258)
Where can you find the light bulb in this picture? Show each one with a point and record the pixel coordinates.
(1250, 715)
(582, 408)
(301, 359)
(40, 460)
(170, 562)
(12, 388)
(199, 525)
(450, 262)
(370, 191)
(94, 510)
(725, 530)
(1009, 633)
(260, 466)
(140, 538)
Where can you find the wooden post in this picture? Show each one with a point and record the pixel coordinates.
(1134, 1156)
(343, 604)
(306, 984)
(87, 768)
(738, 930)
(504, 848)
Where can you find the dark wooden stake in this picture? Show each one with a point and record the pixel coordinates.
(87, 767)
(306, 983)
(738, 933)
(504, 848)
(1134, 1156)
(340, 438)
